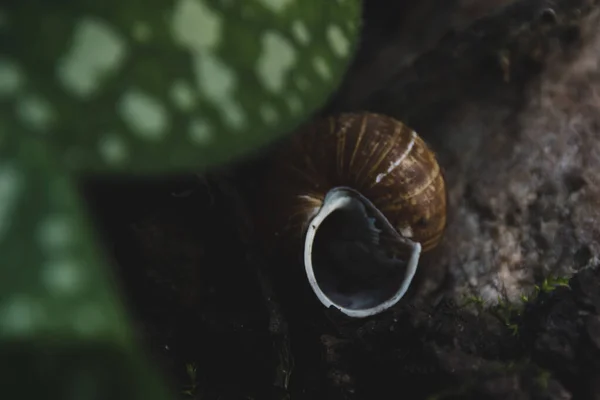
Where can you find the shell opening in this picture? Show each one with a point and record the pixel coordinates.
(354, 258)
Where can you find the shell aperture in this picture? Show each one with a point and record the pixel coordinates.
(348, 265)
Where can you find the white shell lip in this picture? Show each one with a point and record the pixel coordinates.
(336, 199)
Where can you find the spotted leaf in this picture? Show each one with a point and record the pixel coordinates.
(63, 331)
(155, 85)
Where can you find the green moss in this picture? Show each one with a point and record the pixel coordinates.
(510, 312)
(551, 283)
(475, 300)
(543, 378)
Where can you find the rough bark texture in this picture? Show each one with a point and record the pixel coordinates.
(510, 104)
(511, 107)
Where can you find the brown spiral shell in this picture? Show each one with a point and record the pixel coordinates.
(378, 156)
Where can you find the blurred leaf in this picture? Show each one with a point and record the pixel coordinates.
(163, 85)
(63, 331)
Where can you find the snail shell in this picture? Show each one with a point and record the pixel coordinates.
(359, 196)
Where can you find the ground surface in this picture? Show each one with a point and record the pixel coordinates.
(510, 104)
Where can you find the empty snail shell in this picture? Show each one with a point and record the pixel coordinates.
(359, 196)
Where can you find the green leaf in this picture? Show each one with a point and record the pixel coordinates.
(162, 85)
(63, 330)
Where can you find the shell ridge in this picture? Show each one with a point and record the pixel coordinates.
(388, 148)
(367, 161)
(361, 133)
(399, 161)
(435, 175)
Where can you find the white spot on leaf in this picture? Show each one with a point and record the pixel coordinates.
(338, 41)
(182, 95)
(146, 116)
(200, 131)
(19, 315)
(215, 79)
(55, 233)
(300, 32)
(62, 276)
(322, 67)
(233, 115)
(34, 112)
(276, 5)
(96, 51)
(217, 82)
(10, 189)
(195, 25)
(277, 58)
(112, 149)
(11, 78)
